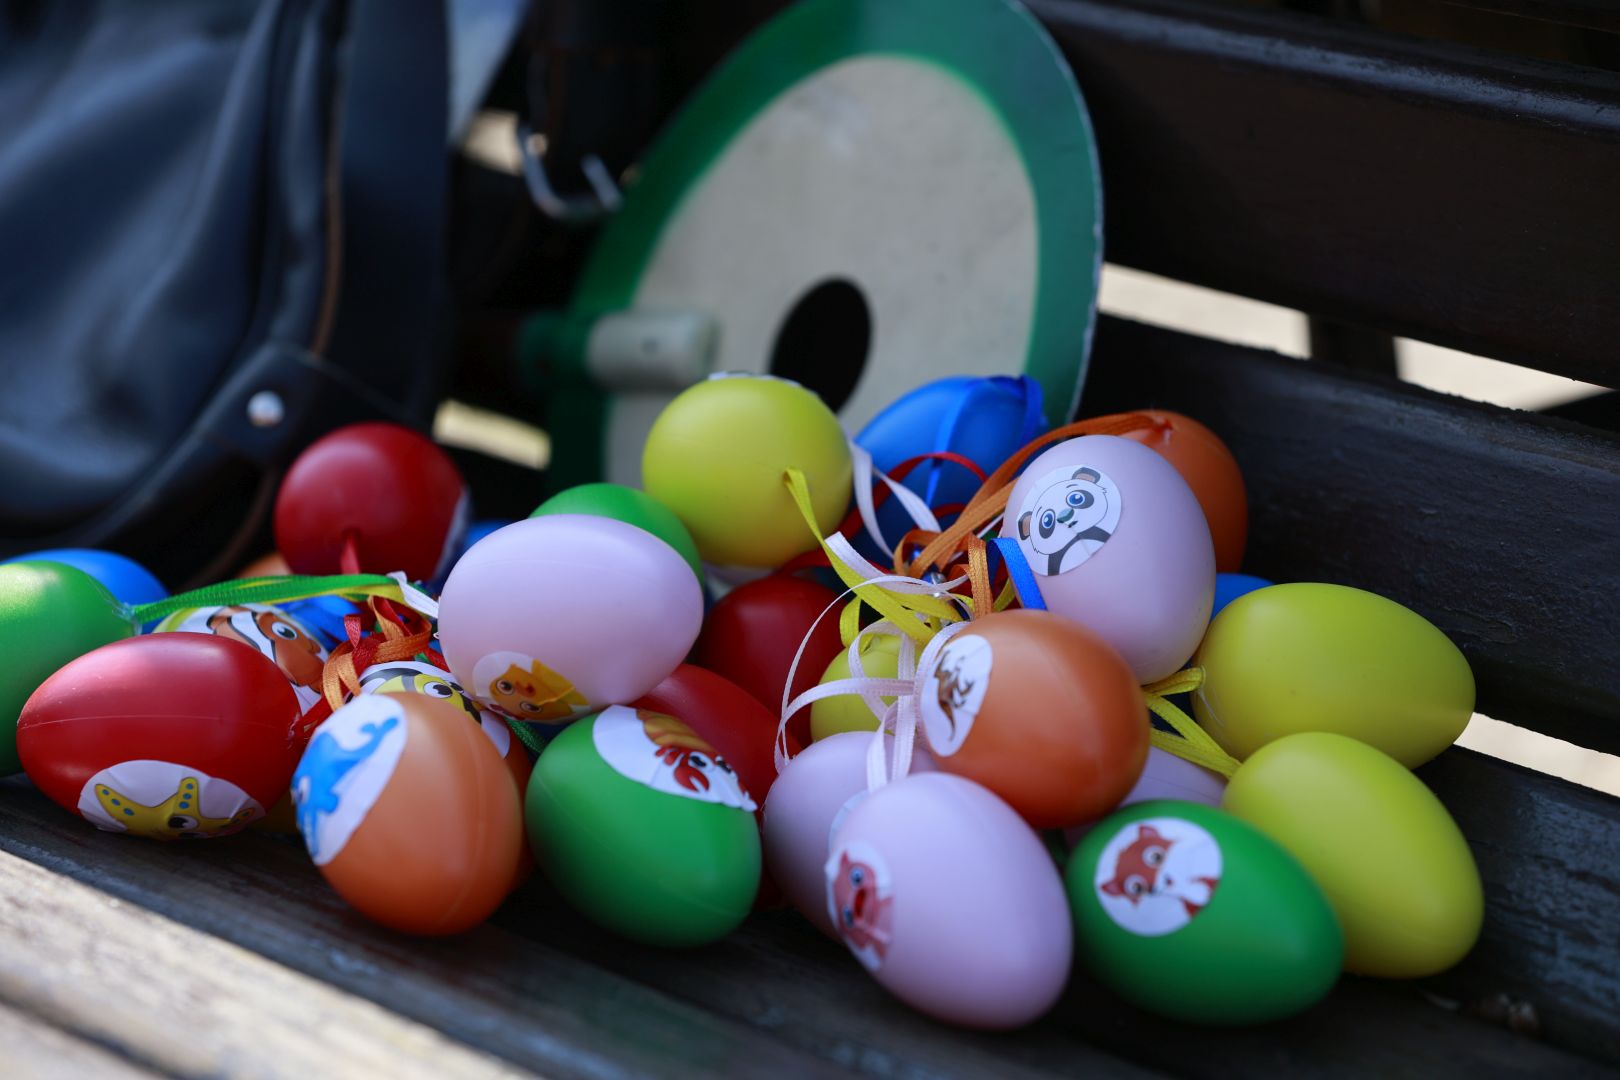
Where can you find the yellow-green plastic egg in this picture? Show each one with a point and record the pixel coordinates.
(1309, 657)
(1390, 858)
(880, 658)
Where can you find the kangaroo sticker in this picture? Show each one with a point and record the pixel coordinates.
(344, 770)
(666, 755)
(860, 902)
(1156, 875)
(1066, 518)
(954, 692)
(165, 801)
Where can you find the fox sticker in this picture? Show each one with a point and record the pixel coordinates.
(1156, 875)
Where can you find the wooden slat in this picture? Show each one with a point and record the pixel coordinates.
(1501, 527)
(1418, 187)
(31, 1049)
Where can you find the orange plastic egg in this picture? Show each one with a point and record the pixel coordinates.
(409, 813)
(1209, 468)
(1041, 711)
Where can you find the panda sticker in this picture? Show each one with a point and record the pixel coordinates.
(1066, 518)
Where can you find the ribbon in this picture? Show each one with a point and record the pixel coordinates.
(1190, 741)
(272, 590)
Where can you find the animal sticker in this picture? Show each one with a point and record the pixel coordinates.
(666, 755)
(860, 902)
(343, 771)
(1156, 875)
(954, 692)
(522, 688)
(165, 801)
(276, 635)
(1067, 517)
(420, 677)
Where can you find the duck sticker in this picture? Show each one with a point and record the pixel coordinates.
(420, 677)
(344, 770)
(860, 902)
(276, 635)
(522, 688)
(954, 692)
(165, 801)
(1066, 518)
(666, 755)
(1156, 875)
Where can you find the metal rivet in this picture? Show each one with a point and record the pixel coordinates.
(266, 409)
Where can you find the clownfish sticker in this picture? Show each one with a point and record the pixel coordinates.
(666, 755)
(1067, 517)
(860, 902)
(1155, 875)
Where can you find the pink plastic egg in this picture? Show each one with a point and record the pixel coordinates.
(1165, 776)
(1117, 542)
(552, 618)
(951, 902)
(806, 805)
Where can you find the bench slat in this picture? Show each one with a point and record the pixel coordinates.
(1418, 187)
(1501, 527)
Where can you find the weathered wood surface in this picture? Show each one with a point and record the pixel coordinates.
(31, 1049)
(542, 987)
(1417, 187)
(1501, 527)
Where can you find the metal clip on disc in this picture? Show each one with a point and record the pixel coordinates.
(605, 196)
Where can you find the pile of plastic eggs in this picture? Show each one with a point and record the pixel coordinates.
(920, 685)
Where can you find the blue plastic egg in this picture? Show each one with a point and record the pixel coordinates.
(120, 575)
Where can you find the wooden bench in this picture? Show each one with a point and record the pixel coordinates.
(1389, 184)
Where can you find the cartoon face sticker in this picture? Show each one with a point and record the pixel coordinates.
(420, 677)
(522, 688)
(276, 635)
(666, 755)
(165, 801)
(344, 770)
(1156, 875)
(1068, 515)
(954, 692)
(860, 902)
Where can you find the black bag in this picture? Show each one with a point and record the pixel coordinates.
(221, 234)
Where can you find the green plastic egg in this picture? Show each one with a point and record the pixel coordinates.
(49, 614)
(644, 829)
(1390, 858)
(880, 659)
(1195, 915)
(1308, 657)
(630, 506)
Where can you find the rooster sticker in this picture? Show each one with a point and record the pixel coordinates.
(666, 755)
(1066, 518)
(860, 902)
(954, 692)
(1156, 875)
(165, 801)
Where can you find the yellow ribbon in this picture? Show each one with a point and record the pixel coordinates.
(1190, 742)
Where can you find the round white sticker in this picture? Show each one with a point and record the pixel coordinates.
(954, 692)
(1157, 874)
(666, 755)
(345, 767)
(860, 901)
(1066, 518)
(165, 801)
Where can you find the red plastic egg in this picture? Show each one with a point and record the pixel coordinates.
(397, 494)
(751, 635)
(407, 810)
(169, 736)
(1209, 468)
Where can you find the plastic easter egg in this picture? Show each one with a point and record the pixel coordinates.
(552, 618)
(392, 490)
(271, 565)
(1310, 657)
(122, 576)
(1228, 587)
(752, 633)
(474, 533)
(807, 805)
(724, 715)
(322, 616)
(1390, 858)
(1195, 915)
(1209, 468)
(49, 614)
(270, 632)
(1117, 543)
(951, 902)
(1165, 776)
(170, 737)
(630, 506)
(880, 659)
(1041, 711)
(716, 455)
(406, 809)
(644, 829)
